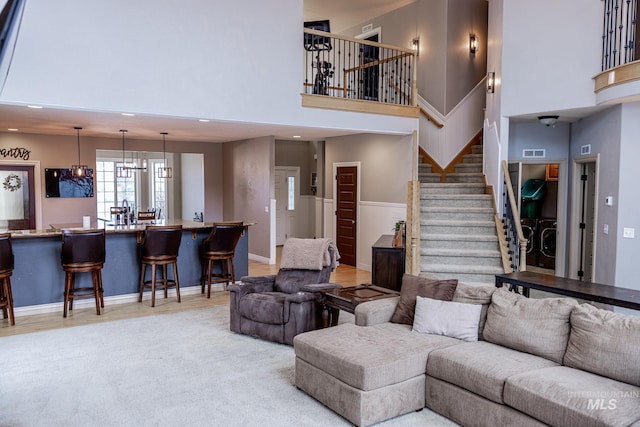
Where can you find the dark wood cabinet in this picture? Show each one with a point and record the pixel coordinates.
(387, 263)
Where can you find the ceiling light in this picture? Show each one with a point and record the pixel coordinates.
(123, 171)
(36, 107)
(128, 114)
(297, 136)
(13, 130)
(548, 120)
(79, 170)
(164, 171)
(204, 120)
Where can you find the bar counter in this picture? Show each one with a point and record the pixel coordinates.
(38, 277)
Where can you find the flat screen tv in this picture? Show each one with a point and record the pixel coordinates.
(61, 183)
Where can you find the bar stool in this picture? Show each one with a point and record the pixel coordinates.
(6, 269)
(83, 251)
(159, 248)
(220, 247)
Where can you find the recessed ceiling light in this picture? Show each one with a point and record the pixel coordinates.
(13, 130)
(204, 120)
(297, 136)
(128, 114)
(37, 107)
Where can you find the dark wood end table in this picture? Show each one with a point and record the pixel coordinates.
(348, 298)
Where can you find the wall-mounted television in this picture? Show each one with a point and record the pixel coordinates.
(61, 183)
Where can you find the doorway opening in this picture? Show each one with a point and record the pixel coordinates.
(287, 192)
(369, 77)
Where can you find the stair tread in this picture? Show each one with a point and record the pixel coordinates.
(484, 253)
(453, 184)
(456, 222)
(454, 209)
(460, 237)
(455, 196)
(463, 268)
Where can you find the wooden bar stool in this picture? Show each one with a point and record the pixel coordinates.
(159, 249)
(220, 247)
(6, 269)
(83, 251)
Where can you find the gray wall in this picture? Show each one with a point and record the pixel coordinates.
(446, 70)
(248, 188)
(555, 140)
(300, 154)
(385, 164)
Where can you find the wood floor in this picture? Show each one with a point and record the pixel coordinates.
(344, 274)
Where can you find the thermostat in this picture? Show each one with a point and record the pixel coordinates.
(608, 201)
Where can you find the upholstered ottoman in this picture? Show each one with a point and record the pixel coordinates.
(367, 374)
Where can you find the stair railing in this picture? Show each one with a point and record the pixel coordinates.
(516, 242)
(347, 67)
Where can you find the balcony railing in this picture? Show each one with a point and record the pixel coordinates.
(350, 68)
(619, 33)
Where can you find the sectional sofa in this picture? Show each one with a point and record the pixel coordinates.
(529, 362)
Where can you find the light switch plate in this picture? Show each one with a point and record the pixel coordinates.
(606, 229)
(629, 233)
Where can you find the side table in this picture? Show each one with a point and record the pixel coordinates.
(348, 298)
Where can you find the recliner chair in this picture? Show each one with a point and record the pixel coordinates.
(279, 307)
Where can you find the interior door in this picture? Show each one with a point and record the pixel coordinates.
(17, 197)
(346, 213)
(370, 75)
(587, 221)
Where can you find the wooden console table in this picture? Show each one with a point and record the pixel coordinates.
(606, 294)
(387, 263)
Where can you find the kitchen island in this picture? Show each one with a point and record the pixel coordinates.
(38, 278)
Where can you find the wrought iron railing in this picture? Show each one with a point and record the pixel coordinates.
(619, 33)
(351, 68)
(516, 242)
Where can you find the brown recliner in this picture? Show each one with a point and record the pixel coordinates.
(279, 307)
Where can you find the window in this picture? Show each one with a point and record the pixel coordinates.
(291, 193)
(159, 189)
(111, 190)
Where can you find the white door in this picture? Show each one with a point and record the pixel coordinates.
(287, 190)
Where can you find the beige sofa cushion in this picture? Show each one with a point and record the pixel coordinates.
(481, 367)
(536, 326)
(369, 357)
(470, 294)
(571, 397)
(605, 343)
(413, 286)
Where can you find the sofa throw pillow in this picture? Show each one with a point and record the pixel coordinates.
(448, 318)
(471, 294)
(413, 286)
(535, 326)
(605, 343)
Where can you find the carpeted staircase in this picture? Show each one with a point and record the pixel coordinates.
(458, 230)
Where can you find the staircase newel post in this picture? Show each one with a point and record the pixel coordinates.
(412, 240)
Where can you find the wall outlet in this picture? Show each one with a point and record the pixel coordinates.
(606, 229)
(266, 209)
(629, 233)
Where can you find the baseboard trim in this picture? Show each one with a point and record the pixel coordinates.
(115, 299)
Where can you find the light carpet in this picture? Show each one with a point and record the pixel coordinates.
(178, 369)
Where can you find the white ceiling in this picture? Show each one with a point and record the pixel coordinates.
(57, 121)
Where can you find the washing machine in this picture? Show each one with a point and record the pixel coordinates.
(530, 230)
(547, 243)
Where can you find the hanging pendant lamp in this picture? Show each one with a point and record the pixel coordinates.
(79, 170)
(164, 172)
(123, 171)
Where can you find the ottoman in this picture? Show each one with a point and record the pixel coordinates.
(367, 374)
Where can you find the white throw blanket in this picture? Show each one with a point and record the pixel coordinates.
(309, 254)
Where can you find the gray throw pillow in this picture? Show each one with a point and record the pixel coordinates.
(605, 343)
(535, 326)
(413, 286)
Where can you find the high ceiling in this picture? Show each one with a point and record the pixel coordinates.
(56, 121)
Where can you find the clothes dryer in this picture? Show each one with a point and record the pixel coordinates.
(547, 243)
(530, 230)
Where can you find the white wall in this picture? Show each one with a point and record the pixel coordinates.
(238, 61)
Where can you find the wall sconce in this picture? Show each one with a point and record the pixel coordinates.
(491, 82)
(473, 43)
(79, 170)
(415, 45)
(165, 171)
(548, 120)
(123, 171)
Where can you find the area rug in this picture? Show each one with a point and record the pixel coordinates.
(179, 369)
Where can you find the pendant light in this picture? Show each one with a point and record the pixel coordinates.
(164, 172)
(123, 171)
(79, 170)
(135, 162)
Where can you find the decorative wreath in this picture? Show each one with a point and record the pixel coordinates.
(12, 182)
